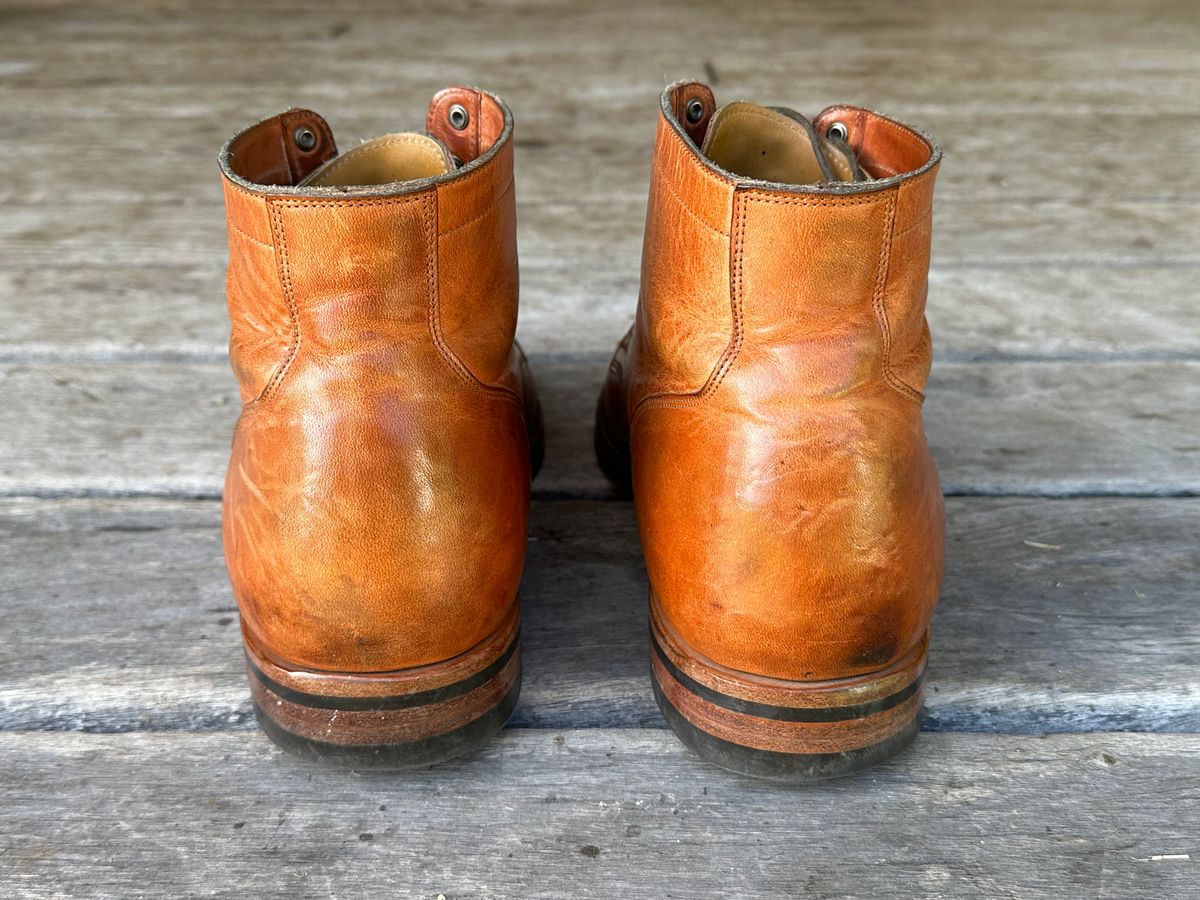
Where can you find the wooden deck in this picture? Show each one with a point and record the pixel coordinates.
(1061, 756)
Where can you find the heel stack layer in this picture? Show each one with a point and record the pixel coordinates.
(401, 719)
(796, 731)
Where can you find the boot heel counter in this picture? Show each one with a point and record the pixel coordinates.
(390, 554)
(790, 556)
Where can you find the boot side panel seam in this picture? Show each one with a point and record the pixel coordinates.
(285, 281)
(449, 357)
(879, 304)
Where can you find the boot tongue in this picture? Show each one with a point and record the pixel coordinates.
(776, 144)
(385, 160)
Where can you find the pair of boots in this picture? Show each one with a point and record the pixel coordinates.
(764, 409)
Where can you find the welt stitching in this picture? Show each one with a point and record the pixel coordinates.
(683, 203)
(878, 302)
(488, 209)
(285, 280)
(429, 221)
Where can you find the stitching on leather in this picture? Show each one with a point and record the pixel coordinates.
(285, 281)
(735, 302)
(878, 302)
(688, 153)
(429, 221)
(318, 203)
(491, 206)
(683, 203)
(763, 197)
(907, 133)
(250, 237)
(734, 347)
(265, 194)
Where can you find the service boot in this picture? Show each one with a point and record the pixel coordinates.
(377, 496)
(766, 409)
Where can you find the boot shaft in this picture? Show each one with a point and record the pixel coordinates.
(826, 283)
(319, 276)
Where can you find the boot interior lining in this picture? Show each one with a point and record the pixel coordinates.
(384, 160)
(760, 143)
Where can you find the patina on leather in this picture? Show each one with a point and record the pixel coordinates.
(377, 495)
(768, 398)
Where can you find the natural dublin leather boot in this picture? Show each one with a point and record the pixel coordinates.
(377, 496)
(766, 405)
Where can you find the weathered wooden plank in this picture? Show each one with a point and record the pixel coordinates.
(577, 295)
(598, 814)
(1056, 161)
(1025, 56)
(168, 313)
(574, 229)
(118, 617)
(996, 156)
(1042, 428)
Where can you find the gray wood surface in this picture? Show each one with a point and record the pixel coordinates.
(1057, 615)
(1053, 200)
(599, 814)
(1041, 428)
(1066, 321)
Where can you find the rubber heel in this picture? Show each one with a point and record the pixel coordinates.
(391, 720)
(785, 730)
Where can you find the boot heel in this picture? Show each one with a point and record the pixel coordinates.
(390, 720)
(785, 730)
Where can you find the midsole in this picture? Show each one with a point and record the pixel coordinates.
(883, 688)
(319, 689)
(384, 724)
(787, 713)
(770, 714)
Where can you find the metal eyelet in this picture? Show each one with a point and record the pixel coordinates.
(695, 110)
(458, 117)
(837, 131)
(305, 138)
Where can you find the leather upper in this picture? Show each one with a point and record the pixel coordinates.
(770, 393)
(376, 500)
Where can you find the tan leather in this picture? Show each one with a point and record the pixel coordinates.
(768, 145)
(377, 494)
(385, 160)
(769, 399)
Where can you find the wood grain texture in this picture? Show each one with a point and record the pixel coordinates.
(119, 617)
(598, 814)
(1057, 428)
(1052, 203)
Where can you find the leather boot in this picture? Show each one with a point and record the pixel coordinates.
(377, 495)
(765, 409)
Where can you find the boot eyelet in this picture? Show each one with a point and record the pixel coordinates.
(458, 117)
(695, 110)
(837, 131)
(305, 138)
